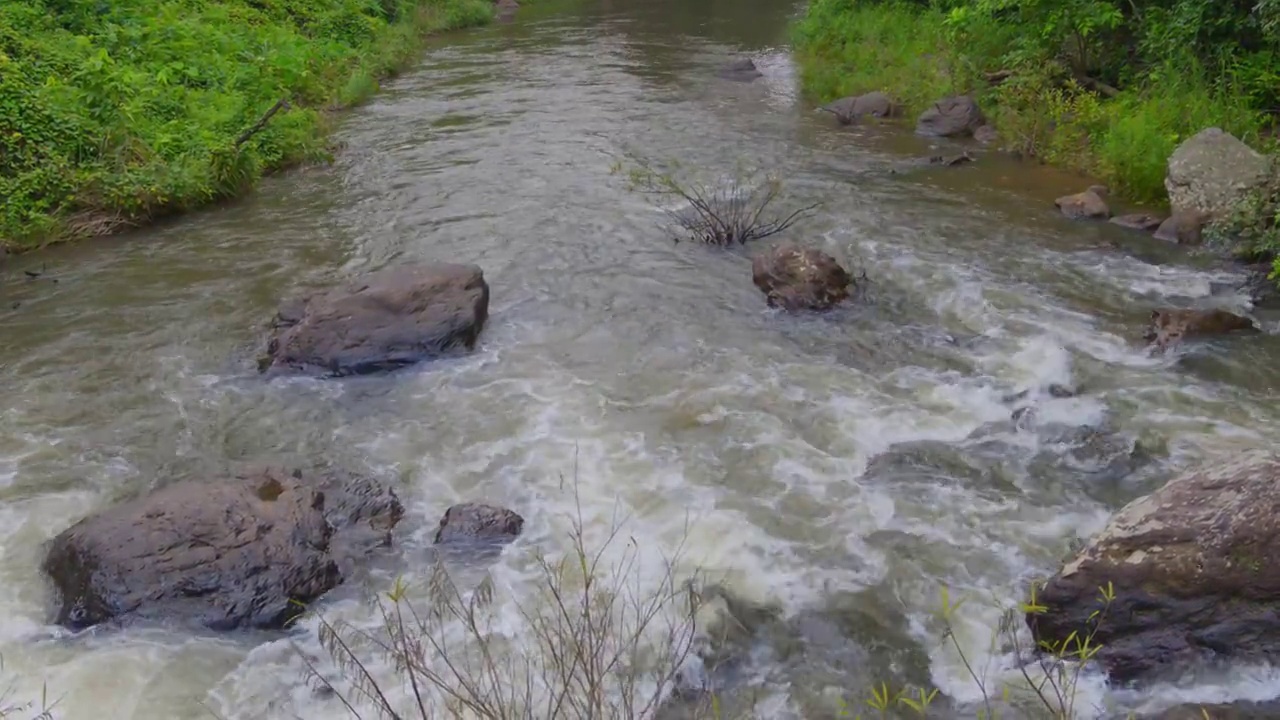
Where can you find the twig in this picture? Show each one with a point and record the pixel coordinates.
(281, 104)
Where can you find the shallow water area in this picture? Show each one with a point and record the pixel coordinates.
(844, 468)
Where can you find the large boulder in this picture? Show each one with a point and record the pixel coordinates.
(796, 278)
(873, 104)
(382, 321)
(1212, 171)
(248, 551)
(1169, 326)
(1193, 571)
(956, 116)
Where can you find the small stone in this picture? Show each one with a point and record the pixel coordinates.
(1184, 227)
(1086, 205)
(1144, 222)
(951, 117)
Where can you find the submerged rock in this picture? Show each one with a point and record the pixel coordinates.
(1193, 571)
(1243, 710)
(1086, 205)
(741, 70)
(1212, 171)
(385, 320)
(874, 104)
(477, 523)
(951, 117)
(1143, 222)
(244, 552)
(1168, 326)
(1184, 227)
(796, 278)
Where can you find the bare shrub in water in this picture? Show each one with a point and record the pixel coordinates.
(731, 213)
(1047, 685)
(600, 647)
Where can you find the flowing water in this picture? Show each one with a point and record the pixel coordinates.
(843, 468)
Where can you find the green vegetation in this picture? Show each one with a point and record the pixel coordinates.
(113, 112)
(1107, 87)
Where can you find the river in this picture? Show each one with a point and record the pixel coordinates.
(845, 467)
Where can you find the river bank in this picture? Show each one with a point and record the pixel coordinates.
(1084, 109)
(113, 117)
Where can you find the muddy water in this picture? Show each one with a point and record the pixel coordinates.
(842, 468)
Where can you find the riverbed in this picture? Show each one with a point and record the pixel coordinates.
(846, 466)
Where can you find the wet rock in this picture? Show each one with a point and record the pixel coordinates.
(851, 109)
(477, 523)
(1212, 171)
(796, 278)
(385, 320)
(740, 70)
(951, 117)
(1168, 326)
(1184, 227)
(986, 134)
(1243, 710)
(1143, 222)
(248, 551)
(1086, 205)
(1193, 570)
(951, 161)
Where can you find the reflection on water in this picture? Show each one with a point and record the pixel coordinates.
(842, 468)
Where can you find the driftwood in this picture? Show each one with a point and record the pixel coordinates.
(281, 104)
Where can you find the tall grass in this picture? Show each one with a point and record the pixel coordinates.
(115, 113)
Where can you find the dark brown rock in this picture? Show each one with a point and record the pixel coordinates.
(951, 161)
(1168, 326)
(874, 104)
(385, 320)
(1185, 227)
(248, 551)
(1086, 205)
(957, 116)
(741, 70)
(477, 523)
(796, 278)
(1143, 222)
(1193, 568)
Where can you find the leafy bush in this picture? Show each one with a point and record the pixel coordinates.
(115, 112)
(1109, 87)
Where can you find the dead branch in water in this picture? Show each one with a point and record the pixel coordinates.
(727, 214)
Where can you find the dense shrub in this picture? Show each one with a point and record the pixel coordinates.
(112, 112)
(1105, 86)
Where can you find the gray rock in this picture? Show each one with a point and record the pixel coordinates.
(247, 551)
(740, 70)
(1212, 171)
(956, 116)
(1193, 570)
(873, 104)
(385, 320)
(986, 134)
(796, 278)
